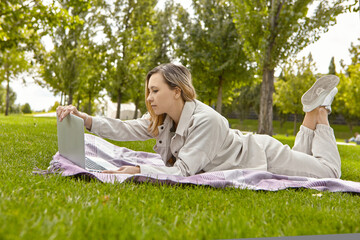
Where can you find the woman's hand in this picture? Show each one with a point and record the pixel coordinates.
(124, 170)
(63, 111)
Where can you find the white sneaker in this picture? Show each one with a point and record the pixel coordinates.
(329, 99)
(316, 95)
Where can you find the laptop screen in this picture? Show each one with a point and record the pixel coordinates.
(71, 139)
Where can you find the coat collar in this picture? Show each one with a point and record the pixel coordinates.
(185, 117)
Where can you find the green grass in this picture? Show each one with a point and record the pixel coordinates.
(37, 207)
(342, 132)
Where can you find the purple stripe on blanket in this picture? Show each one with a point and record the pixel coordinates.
(240, 178)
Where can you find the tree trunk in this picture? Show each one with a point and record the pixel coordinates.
(89, 104)
(70, 99)
(61, 98)
(267, 86)
(78, 105)
(136, 107)
(266, 103)
(219, 95)
(283, 119)
(7, 94)
(295, 122)
(118, 108)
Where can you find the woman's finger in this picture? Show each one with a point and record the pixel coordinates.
(62, 112)
(112, 171)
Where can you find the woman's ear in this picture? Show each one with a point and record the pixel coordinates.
(177, 92)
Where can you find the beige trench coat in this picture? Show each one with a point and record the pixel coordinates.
(202, 142)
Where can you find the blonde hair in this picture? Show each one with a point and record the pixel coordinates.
(176, 76)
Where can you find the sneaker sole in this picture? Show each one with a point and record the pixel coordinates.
(311, 99)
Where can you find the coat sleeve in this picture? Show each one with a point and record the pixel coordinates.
(118, 130)
(203, 142)
(148, 169)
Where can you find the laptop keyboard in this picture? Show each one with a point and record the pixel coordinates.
(89, 164)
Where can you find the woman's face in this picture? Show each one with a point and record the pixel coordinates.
(161, 97)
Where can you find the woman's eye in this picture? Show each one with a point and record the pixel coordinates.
(155, 91)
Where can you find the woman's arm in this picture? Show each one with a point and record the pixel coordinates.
(118, 130)
(115, 129)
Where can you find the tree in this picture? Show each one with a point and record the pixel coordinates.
(53, 107)
(349, 88)
(246, 99)
(332, 67)
(355, 52)
(24, 22)
(127, 28)
(74, 60)
(26, 108)
(280, 29)
(156, 50)
(67, 43)
(163, 28)
(91, 75)
(11, 103)
(348, 95)
(159, 49)
(297, 77)
(19, 23)
(212, 47)
(13, 64)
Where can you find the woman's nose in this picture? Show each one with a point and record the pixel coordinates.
(149, 98)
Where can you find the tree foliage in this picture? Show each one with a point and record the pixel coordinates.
(246, 99)
(74, 62)
(13, 64)
(26, 108)
(163, 29)
(127, 26)
(13, 108)
(91, 76)
(296, 78)
(346, 102)
(211, 46)
(158, 49)
(22, 24)
(332, 66)
(348, 96)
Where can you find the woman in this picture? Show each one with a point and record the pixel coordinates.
(193, 138)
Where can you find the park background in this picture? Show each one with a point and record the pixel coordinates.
(202, 38)
(338, 39)
(248, 59)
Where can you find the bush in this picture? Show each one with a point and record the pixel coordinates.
(26, 108)
(53, 108)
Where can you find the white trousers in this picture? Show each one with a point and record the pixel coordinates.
(315, 154)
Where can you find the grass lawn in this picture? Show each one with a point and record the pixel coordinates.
(37, 207)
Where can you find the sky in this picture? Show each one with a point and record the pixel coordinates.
(336, 42)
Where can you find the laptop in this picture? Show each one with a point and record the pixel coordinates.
(71, 145)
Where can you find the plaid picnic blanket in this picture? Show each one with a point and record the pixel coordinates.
(239, 178)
